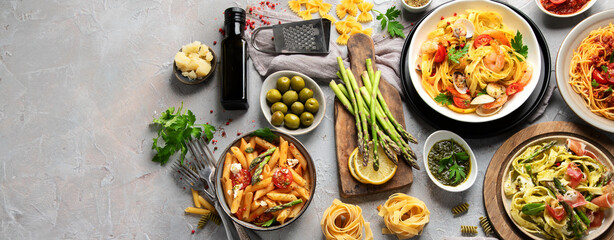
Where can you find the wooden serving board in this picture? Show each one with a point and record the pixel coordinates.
(360, 47)
(503, 225)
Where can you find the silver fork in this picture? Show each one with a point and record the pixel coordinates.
(205, 169)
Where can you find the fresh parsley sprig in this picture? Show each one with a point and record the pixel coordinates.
(456, 171)
(454, 55)
(518, 46)
(176, 127)
(444, 99)
(394, 27)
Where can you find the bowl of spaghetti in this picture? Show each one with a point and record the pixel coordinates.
(473, 61)
(585, 70)
(265, 180)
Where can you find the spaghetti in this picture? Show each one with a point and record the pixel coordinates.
(344, 221)
(469, 55)
(404, 216)
(592, 71)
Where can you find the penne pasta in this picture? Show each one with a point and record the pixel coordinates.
(239, 155)
(228, 191)
(261, 142)
(304, 193)
(226, 169)
(236, 202)
(283, 153)
(260, 185)
(297, 154)
(195, 198)
(247, 205)
(266, 172)
(282, 197)
(283, 215)
(273, 161)
(243, 145)
(297, 178)
(263, 191)
(255, 213)
(206, 204)
(295, 210)
(194, 210)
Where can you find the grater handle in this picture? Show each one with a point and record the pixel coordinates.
(255, 33)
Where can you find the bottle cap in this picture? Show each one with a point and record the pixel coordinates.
(234, 14)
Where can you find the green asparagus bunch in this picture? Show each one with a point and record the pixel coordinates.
(370, 111)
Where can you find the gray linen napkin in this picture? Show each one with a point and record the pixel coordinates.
(323, 68)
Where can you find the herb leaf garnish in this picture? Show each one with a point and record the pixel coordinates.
(394, 27)
(518, 46)
(454, 55)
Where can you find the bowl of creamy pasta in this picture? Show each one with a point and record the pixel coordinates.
(559, 187)
(265, 180)
(474, 61)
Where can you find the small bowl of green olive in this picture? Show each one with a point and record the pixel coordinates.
(292, 102)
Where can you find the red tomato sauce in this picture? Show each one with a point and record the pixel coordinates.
(567, 7)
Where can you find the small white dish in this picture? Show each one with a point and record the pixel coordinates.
(511, 19)
(447, 135)
(563, 62)
(415, 9)
(271, 82)
(583, 9)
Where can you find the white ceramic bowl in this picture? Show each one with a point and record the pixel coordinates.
(563, 62)
(447, 135)
(415, 9)
(271, 82)
(586, 7)
(511, 19)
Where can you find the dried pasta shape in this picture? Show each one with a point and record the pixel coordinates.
(330, 17)
(305, 15)
(342, 27)
(312, 5)
(351, 9)
(365, 6)
(325, 8)
(366, 31)
(302, 1)
(295, 6)
(365, 17)
(356, 1)
(343, 39)
(341, 11)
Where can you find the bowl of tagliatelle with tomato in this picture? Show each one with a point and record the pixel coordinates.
(265, 180)
(474, 61)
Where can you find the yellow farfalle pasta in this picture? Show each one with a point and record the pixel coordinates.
(329, 17)
(295, 6)
(365, 15)
(343, 39)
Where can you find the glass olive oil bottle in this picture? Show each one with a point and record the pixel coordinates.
(234, 61)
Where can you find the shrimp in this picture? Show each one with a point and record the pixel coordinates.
(526, 76)
(497, 103)
(495, 90)
(430, 46)
(499, 35)
(495, 61)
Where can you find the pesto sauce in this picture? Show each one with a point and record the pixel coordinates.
(442, 149)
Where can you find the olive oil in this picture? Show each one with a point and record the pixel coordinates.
(234, 61)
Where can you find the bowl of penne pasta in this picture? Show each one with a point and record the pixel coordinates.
(265, 180)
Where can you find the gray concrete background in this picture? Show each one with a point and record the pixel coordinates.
(80, 82)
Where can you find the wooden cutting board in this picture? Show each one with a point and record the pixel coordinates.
(495, 209)
(360, 47)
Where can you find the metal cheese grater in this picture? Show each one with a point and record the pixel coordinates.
(306, 37)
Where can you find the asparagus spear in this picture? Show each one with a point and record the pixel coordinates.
(366, 81)
(373, 125)
(260, 157)
(370, 69)
(348, 85)
(283, 206)
(341, 96)
(343, 90)
(256, 177)
(539, 151)
(363, 118)
(575, 222)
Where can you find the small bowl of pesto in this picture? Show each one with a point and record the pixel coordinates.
(450, 162)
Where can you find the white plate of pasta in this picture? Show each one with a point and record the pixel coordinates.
(466, 47)
(550, 174)
(265, 184)
(581, 80)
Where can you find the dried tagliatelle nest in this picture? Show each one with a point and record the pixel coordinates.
(194, 60)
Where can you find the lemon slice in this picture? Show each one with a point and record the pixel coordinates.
(386, 171)
(351, 166)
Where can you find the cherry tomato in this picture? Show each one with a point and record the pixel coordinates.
(514, 88)
(482, 40)
(461, 103)
(243, 177)
(282, 178)
(557, 1)
(441, 54)
(457, 94)
(557, 213)
(598, 77)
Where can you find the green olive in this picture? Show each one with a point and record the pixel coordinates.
(273, 96)
(305, 94)
(283, 84)
(306, 119)
(291, 121)
(277, 118)
(297, 108)
(312, 105)
(279, 106)
(297, 83)
(290, 97)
